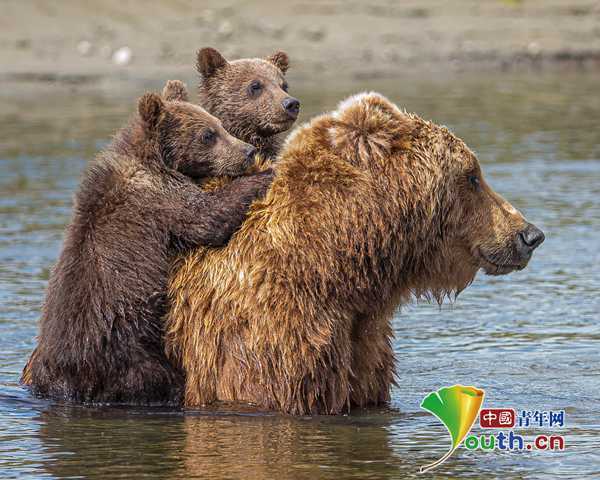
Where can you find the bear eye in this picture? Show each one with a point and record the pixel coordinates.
(284, 86)
(255, 88)
(208, 136)
(474, 181)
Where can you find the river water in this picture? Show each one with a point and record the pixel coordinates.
(530, 339)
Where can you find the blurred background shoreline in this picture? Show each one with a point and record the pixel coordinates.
(117, 43)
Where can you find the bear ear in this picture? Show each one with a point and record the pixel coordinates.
(175, 90)
(280, 60)
(209, 61)
(150, 108)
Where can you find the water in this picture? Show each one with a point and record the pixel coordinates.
(531, 339)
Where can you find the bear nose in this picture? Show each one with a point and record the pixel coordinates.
(250, 152)
(530, 238)
(291, 106)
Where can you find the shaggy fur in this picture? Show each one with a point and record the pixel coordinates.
(255, 116)
(101, 337)
(369, 206)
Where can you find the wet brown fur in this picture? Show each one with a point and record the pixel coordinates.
(101, 335)
(369, 207)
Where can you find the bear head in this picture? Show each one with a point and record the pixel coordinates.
(448, 220)
(189, 139)
(248, 95)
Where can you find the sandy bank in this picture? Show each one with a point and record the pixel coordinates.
(78, 43)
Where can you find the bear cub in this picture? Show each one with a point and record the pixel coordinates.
(101, 335)
(249, 96)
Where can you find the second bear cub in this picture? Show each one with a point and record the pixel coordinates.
(101, 336)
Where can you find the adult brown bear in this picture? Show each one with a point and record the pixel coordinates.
(369, 206)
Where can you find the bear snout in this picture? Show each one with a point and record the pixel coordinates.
(291, 106)
(528, 240)
(515, 255)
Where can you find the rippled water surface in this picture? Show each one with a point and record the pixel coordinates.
(530, 339)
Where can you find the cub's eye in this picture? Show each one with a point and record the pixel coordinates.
(284, 86)
(474, 181)
(255, 87)
(209, 136)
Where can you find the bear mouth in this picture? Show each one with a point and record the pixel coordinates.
(491, 266)
(273, 128)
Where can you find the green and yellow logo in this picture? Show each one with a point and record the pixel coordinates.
(457, 407)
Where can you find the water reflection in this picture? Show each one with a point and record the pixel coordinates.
(102, 443)
(99, 442)
(206, 444)
(276, 447)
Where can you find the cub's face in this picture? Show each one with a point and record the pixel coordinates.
(250, 96)
(191, 140)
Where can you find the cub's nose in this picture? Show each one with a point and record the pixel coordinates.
(250, 152)
(530, 238)
(291, 106)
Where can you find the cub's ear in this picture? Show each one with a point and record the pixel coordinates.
(209, 61)
(151, 108)
(175, 90)
(280, 60)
